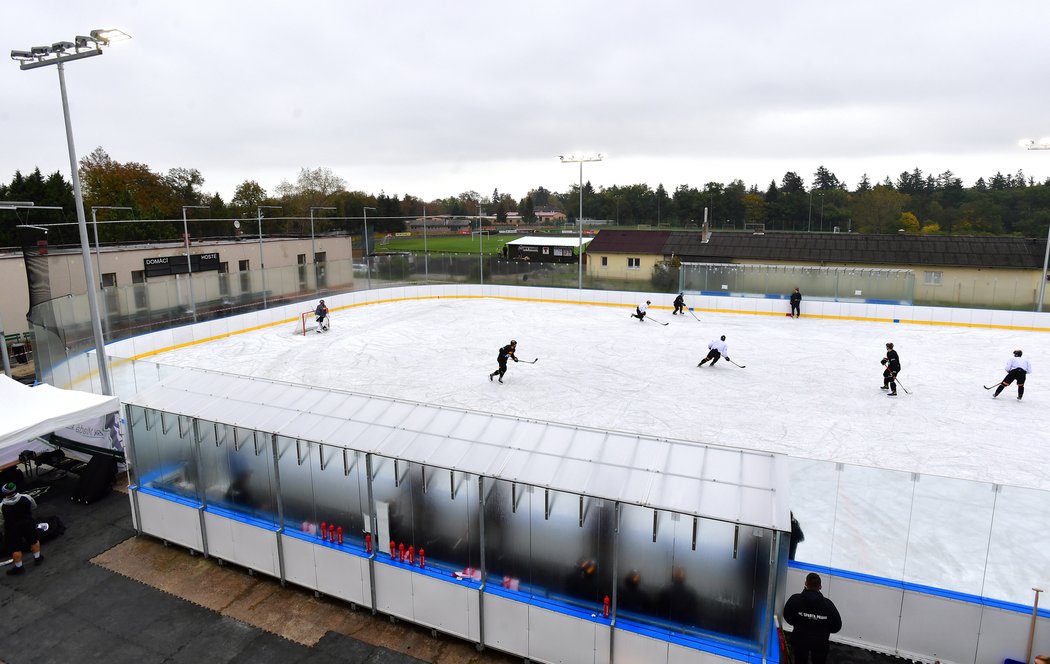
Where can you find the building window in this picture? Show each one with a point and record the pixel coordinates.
(301, 259)
(933, 278)
(605, 261)
(138, 276)
(634, 263)
(320, 256)
(243, 265)
(109, 279)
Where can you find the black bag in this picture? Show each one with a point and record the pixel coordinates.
(96, 480)
(55, 528)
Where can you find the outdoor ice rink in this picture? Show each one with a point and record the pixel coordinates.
(810, 387)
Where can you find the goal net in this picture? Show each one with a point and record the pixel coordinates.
(308, 323)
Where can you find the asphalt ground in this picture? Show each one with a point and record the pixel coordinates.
(105, 595)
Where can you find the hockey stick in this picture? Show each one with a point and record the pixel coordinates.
(742, 366)
(897, 380)
(532, 362)
(992, 386)
(655, 321)
(694, 316)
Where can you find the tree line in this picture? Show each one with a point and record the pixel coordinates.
(914, 202)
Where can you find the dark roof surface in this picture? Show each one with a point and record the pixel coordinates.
(933, 250)
(642, 242)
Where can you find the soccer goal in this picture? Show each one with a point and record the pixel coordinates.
(308, 323)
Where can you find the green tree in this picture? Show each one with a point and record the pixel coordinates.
(247, 197)
(878, 210)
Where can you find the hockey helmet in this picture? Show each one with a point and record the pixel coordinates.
(1017, 353)
(723, 337)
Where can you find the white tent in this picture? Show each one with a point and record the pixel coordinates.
(27, 412)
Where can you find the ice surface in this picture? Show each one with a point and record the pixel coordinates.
(810, 389)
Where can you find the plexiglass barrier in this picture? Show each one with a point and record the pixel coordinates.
(671, 574)
(963, 536)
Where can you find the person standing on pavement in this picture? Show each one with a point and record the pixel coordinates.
(20, 527)
(814, 619)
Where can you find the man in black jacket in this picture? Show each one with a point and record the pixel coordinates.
(815, 619)
(892, 367)
(505, 353)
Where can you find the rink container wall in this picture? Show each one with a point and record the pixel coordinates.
(881, 625)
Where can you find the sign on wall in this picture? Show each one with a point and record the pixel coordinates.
(165, 265)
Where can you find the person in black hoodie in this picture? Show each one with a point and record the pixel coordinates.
(815, 619)
(892, 364)
(679, 305)
(505, 353)
(796, 300)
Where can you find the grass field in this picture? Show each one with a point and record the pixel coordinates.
(446, 244)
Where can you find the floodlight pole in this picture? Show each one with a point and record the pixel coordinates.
(573, 159)
(189, 263)
(41, 57)
(364, 236)
(262, 258)
(481, 249)
(426, 254)
(98, 250)
(1043, 144)
(313, 248)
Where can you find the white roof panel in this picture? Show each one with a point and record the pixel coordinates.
(550, 241)
(722, 483)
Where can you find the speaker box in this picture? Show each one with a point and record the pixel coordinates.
(96, 481)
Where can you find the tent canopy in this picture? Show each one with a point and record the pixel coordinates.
(28, 412)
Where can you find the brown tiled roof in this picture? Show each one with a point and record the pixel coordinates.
(625, 242)
(933, 250)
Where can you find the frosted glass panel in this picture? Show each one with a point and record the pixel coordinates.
(238, 470)
(956, 511)
(1019, 555)
(814, 493)
(164, 452)
(871, 521)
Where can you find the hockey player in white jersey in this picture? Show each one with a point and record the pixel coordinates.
(1016, 369)
(717, 350)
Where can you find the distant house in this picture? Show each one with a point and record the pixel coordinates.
(545, 248)
(620, 254)
(998, 271)
(548, 215)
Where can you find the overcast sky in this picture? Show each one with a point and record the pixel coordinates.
(436, 98)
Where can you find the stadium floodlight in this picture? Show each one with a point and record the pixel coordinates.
(580, 158)
(58, 54)
(1041, 144)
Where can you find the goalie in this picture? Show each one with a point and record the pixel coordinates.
(321, 312)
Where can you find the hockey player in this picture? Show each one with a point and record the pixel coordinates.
(504, 353)
(796, 301)
(892, 364)
(718, 350)
(679, 305)
(640, 312)
(1016, 369)
(321, 312)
